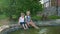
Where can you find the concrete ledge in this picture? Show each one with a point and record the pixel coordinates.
(8, 28)
(4, 27)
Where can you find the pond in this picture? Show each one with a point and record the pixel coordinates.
(42, 30)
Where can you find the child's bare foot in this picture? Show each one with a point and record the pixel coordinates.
(25, 28)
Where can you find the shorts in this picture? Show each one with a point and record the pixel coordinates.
(28, 21)
(22, 23)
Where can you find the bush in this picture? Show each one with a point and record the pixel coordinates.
(54, 17)
(48, 18)
(36, 17)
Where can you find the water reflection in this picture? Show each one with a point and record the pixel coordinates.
(42, 30)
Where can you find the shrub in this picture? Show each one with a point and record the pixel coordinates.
(36, 17)
(54, 17)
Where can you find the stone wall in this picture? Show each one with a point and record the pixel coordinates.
(52, 11)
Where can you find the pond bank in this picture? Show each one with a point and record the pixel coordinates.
(13, 27)
(48, 23)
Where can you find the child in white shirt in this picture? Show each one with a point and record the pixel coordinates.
(22, 21)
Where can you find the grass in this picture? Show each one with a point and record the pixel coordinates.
(48, 17)
(36, 17)
(54, 17)
(0, 24)
(3, 16)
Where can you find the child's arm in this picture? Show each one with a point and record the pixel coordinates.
(26, 18)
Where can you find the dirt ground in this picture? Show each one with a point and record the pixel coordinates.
(4, 21)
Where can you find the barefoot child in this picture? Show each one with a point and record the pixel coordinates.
(22, 21)
(29, 21)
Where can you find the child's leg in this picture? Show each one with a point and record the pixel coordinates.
(23, 26)
(32, 24)
(26, 26)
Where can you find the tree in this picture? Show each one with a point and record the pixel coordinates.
(13, 8)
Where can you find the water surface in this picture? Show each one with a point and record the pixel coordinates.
(42, 30)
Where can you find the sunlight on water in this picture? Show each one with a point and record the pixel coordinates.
(43, 31)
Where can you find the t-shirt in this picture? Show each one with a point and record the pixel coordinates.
(27, 18)
(21, 19)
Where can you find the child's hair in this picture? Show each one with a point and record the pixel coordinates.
(28, 12)
(22, 13)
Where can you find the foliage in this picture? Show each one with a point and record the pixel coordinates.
(54, 17)
(36, 17)
(13, 8)
(48, 18)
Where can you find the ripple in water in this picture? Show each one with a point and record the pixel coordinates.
(43, 31)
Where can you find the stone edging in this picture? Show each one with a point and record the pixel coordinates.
(8, 28)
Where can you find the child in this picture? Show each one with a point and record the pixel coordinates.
(22, 21)
(29, 21)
